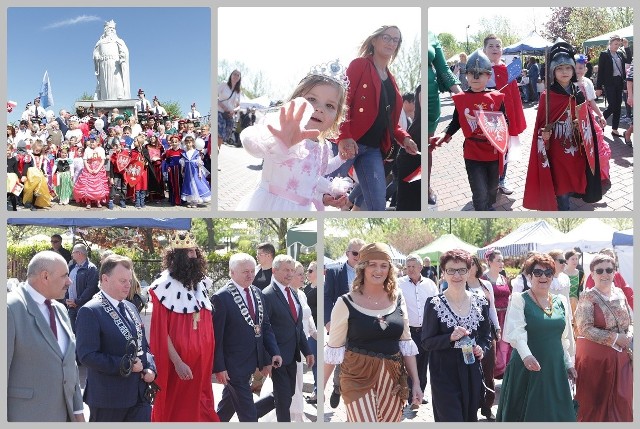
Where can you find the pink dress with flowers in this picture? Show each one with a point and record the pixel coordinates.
(91, 187)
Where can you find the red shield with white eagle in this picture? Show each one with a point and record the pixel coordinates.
(494, 127)
(122, 160)
(133, 173)
(587, 135)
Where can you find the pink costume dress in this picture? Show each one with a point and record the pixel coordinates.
(501, 293)
(292, 178)
(89, 186)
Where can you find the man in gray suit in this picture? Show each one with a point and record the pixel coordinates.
(42, 376)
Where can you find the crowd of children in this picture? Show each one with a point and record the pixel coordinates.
(101, 161)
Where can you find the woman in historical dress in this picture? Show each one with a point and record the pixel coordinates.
(604, 323)
(371, 341)
(535, 386)
(501, 292)
(451, 319)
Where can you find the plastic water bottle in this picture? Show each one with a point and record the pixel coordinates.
(467, 350)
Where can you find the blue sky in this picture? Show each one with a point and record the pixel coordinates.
(169, 50)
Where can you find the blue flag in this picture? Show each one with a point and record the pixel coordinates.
(46, 96)
(514, 69)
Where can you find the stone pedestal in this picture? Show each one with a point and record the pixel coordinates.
(124, 106)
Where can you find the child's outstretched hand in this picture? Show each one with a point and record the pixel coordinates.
(292, 131)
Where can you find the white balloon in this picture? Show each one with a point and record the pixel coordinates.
(199, 143)
(98, 124)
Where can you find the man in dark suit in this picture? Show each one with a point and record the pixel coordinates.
(284, 312)
(42, 376)
(611, 78)
(113, 346)
(242, 333)
(56, 246)
(62, 121)
(337, 282)
(84, 282)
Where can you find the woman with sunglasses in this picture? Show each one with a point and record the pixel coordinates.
(371, 126)
(537, 325)
(603, 359)
(618, 280)
(452, 320)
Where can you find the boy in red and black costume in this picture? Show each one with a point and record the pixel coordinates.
(119, 159)
(558, 166)
(484, 163)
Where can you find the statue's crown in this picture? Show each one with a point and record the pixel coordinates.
(110, 24)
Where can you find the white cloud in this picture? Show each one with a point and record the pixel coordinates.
(73, 21)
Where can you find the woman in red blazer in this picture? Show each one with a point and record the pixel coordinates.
(372, 119)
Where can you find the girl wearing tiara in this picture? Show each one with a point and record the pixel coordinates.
(63, 172)
(295, 150)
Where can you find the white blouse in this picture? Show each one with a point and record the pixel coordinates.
(516, 334)
(308, 324)
(227, 99)
(335, 347)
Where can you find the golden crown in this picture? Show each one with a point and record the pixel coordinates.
(182, 240)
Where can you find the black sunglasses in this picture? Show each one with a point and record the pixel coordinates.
(354, 253)
(561, 261)
(538, 272)
(602, 270)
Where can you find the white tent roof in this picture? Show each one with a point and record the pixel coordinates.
(259, 102)
(603, 39)
(590, 236)
(525, 238)
(532, 44)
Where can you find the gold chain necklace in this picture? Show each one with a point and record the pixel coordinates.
(547, 310)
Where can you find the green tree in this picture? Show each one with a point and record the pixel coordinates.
(406, 66)
(450, 46)
(86, 96)
(172, 108)
(565, 224)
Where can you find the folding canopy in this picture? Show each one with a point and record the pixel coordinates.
(525, 238)
(603, 39)
(442, 244)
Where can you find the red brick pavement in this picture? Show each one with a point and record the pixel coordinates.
(449, 177)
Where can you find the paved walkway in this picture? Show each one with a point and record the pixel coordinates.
(449, 177)
(422, 414)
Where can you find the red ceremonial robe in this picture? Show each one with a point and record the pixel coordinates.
(182, 400)
(562, 169)
(476, 146)
(512, 100)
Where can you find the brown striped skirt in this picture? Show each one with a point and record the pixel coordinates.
(374, 388)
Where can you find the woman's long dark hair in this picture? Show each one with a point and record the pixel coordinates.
(237, 87)
(414, 128)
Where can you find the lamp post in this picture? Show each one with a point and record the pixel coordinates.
(467, 33)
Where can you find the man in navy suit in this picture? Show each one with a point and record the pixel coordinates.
(111, 343)
(84, 282)
(62, 121)
(284, 312)
(242, 333)
(337, 282)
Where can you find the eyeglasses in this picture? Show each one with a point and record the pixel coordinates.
(353, 252)
(538, 272)
(386, 39)
(602, 270)
(561, 261)
(453, 271)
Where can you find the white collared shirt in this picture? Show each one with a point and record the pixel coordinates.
(283, 289)
(63, 338)
(244, 295)
(415, 296)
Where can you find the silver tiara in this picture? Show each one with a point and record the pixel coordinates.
(333, 71)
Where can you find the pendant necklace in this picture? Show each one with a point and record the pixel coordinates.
(547, 310)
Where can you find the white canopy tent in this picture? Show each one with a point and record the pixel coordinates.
(261, 102)
(533, 44)
(590, 236)
(623, 245)
(525, 238)
(603, 39)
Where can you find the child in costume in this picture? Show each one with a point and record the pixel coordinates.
(558, 166)
(195, 188)
(92, 184)
(599, 122)
(295, 150)
(63, 173)
(512, 103)
(138, 168)
(13, 177)
(484, 163)
(119, 159)
(172, 170)
(36, 192)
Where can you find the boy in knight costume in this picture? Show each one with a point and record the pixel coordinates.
(182, 335)
(483, 161)
(120, 159)
(558, 164)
